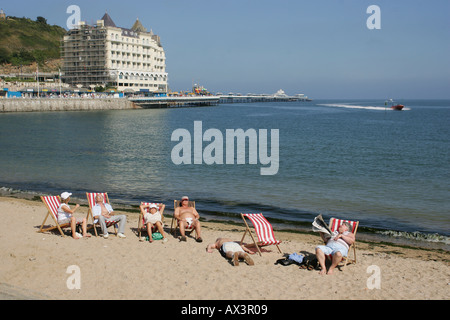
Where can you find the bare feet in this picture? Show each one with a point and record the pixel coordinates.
(248, 260)
(76, 236)
(236, 259)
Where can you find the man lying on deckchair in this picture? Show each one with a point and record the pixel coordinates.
(188, 217)
(337, 246)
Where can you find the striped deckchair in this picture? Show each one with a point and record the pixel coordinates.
(52, 203)
(91, 201)
(141, 222)
(263, 230)
(174, 224)
(334, 226)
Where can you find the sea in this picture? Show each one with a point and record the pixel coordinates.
(350, 159)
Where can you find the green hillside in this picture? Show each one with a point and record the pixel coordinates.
(24, 41)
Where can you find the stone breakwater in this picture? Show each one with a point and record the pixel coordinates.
(69, 104)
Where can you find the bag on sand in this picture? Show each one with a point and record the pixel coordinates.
(292, 258)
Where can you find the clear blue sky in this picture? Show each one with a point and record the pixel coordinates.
(321, 48)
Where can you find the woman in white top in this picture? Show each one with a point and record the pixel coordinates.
(153, 217)
(65, 215)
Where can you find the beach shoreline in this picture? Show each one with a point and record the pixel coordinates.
(389, 237)
(129, 269)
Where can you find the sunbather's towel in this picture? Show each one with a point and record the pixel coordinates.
(320, 226)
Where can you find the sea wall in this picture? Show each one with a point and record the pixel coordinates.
(65, 104)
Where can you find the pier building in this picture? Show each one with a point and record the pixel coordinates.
(131, 60)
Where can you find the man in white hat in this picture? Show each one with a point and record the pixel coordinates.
(65, 215)
(187, 217)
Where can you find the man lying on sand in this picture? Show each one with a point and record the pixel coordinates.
(232, 250)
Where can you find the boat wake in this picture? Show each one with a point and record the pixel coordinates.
(349, 106)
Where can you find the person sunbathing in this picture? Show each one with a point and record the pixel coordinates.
(153, 217)
(231, 250)
(104, 212)
(188, 217)
(65, 215)
(337, 246)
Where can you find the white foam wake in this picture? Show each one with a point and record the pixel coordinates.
(349, 106)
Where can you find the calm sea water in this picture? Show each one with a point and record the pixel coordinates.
(350, 159)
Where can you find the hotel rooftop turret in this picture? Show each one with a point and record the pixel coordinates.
(131, 60)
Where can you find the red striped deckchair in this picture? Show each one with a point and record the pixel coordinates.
(263, 230)
(174, 224)
(52, 203)
(91, 201)
(334, 226)
(141, 221)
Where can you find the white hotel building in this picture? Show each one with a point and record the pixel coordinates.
(107, 55)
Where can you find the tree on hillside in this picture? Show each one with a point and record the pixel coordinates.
(41, 20)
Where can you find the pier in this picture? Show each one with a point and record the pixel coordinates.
(280, 96)
(170, 102)
(254, 98)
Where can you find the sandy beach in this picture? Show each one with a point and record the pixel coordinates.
(38, 266)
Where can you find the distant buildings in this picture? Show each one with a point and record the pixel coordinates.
(130, 60)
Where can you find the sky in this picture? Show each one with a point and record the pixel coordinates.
(321, 48)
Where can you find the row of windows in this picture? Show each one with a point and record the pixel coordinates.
(148, 50)
(142, 78)
(134, 65)
(132, 40)
(144, 85)
(127, 55)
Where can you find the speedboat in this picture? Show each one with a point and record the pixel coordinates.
(398, 107)
(394, 106)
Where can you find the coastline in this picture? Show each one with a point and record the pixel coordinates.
(126, 268)
(413, 240)
(66, 104)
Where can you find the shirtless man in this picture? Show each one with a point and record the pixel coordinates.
(187, 216)
(337, 246)
(232, 250)
(104, 212)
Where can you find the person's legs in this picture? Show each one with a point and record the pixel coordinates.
(246, 257)
(73, 226)
(122, 221)
(337, 257)
(102, 222)
(160, 228)
(320, 255)
(182, 226)
(84, 228)
(234, 256)
(338, 252)
(149, 232)
(198, 230)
